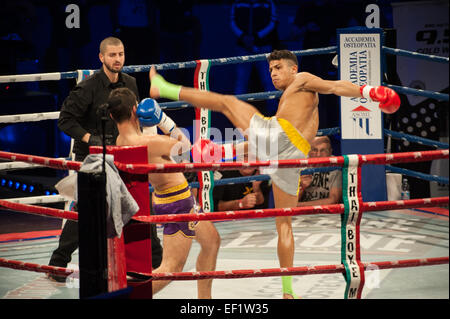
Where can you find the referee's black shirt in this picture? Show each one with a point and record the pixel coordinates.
(78, 114)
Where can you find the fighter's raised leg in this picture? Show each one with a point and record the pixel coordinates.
(238, 112)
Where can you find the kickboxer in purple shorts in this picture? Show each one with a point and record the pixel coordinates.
(172, 194)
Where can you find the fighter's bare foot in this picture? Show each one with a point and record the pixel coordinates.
(289, 296)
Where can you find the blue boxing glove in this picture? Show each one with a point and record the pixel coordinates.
(149, 113)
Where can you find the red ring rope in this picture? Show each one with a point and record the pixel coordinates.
(20, 265)
(191, 167)
(390, 158)
(46, 161)
(305, 270)
(38, 210)
(243, 273)
(242, 214)
(273, 212)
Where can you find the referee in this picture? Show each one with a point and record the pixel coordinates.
(78, 119)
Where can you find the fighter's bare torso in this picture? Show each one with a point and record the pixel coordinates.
(158, 150)
(300, 108)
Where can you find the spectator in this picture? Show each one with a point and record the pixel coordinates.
(321, 188)
(241, 196)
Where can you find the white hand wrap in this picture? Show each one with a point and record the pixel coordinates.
(167, 124)
(366, 92)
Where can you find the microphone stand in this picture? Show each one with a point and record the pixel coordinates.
(104, 118)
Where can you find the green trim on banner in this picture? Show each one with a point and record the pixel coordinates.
(344, 220)
(350, 249)
(207, 83)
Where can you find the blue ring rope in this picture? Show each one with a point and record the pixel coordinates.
(225, 61)
(244, 97)
(309, 171)
(229, 60)
(182, 65)
(416, 139)
(262, 177)
(427, 177)
(410, 91)
(417, 55)
(260, 57)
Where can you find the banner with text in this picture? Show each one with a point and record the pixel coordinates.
(359, 63)
(359, 51)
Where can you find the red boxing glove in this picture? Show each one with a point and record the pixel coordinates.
(207, 151)
(388, 98)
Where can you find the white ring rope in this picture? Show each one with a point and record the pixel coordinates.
(17, 165)
(47, 199)
(31, 117)
(21, 165)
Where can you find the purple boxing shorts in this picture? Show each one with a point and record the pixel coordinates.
(176, 200)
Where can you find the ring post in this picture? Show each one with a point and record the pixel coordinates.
(93, 257)
(135, 244)
(360, 62)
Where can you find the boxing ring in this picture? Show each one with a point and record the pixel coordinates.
(353, 216)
